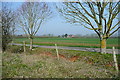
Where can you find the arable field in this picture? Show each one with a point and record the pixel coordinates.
(71, 42)
(43, 63)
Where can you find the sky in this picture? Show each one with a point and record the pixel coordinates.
(57, 0)
(56, 25)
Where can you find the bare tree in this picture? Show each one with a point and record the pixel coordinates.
(8, 25)
(97, 16)
(31, 16)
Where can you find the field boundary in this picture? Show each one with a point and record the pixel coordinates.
(74, 48)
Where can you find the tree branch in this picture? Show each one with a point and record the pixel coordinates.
(115, 31)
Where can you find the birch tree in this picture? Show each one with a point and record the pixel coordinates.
(31, 16)
(101, 17)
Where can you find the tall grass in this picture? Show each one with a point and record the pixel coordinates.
(34, 64)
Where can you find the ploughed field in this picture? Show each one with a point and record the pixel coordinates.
(71, 42)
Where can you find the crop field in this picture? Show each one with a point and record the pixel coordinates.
(71, 42)
(43, 63)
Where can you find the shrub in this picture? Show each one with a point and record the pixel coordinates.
(15, 49)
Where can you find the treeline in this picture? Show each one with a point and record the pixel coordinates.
(65, 36)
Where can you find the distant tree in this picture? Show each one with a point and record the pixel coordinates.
(93, 35)
(63, 36)
(49, 35)
(31, 16)
(8, 25)
(96, 16)
(66, 35)
(58, 35)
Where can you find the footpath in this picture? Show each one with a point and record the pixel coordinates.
(75, 48)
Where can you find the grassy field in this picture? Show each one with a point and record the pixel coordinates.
(43, 63)
(72, 42)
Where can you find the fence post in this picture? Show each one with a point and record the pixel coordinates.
(12, 43)
(57, 51)
(115, 60)
(24, 46)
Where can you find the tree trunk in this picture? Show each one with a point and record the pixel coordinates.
(1, 48)
(103, 46)
(31, 43)
(24, 46)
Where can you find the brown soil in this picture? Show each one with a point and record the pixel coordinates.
(109, 65)
(72, 59)
(62, 56)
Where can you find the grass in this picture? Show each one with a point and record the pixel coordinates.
(72, 42)
(35, 64)
(0, 66)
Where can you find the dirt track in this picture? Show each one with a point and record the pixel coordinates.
(76, 48)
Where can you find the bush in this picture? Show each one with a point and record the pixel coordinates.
(15, 49)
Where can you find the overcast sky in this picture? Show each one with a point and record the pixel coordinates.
(56, 25)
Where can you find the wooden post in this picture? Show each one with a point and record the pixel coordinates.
(12, 43)
(57, 51)
(115, 60)
(24, 46)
